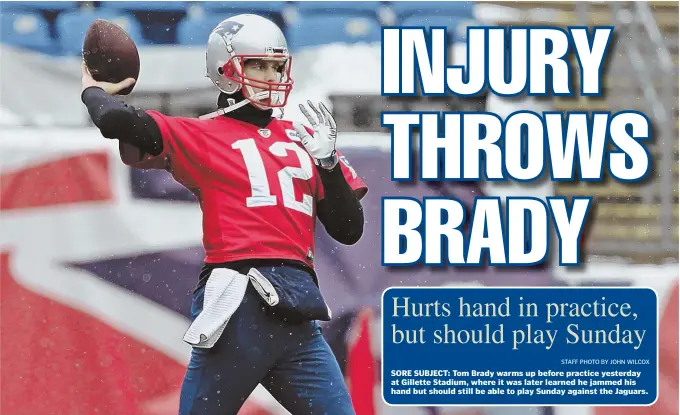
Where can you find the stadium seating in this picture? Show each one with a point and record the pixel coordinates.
(38, 6)
(71, 27)
(26, 30)
(327, 29)
(346, 8)
(157, 6)
(456, 26)
(459, 9)
(195, 30)
(185, 22)
(237, 7)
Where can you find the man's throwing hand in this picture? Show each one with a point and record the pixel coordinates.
(110, 88)
(321, 146)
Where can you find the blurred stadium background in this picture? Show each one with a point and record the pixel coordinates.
(97, 262)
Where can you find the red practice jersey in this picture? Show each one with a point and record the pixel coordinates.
(257, 188)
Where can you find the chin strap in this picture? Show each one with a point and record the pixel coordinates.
(234, 106)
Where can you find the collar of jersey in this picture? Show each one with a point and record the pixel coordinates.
(248, 113)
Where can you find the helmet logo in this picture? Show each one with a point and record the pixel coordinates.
(230, 27)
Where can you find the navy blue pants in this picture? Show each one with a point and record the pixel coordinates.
(291, 360)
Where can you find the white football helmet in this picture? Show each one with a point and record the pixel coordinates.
(243, 37)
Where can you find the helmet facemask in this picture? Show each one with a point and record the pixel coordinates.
(270, 94)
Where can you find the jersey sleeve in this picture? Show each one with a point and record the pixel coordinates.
(132, 156)
(181, 150)
(355, 182)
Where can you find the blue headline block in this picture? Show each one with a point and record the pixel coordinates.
(520, 346)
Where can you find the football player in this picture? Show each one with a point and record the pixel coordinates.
(261, 183)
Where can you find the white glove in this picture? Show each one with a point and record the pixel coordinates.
(321, 146)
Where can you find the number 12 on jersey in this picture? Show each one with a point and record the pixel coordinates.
(259, 184)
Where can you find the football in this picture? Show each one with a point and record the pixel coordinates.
(110, 54)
